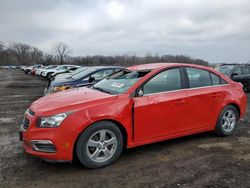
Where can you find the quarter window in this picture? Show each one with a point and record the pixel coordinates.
(215, 79)
(198, 78)
(168, 80)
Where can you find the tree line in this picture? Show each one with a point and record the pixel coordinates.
(23, 54)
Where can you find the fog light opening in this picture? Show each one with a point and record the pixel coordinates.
(43, 146)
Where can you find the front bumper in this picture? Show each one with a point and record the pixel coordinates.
(55, 144)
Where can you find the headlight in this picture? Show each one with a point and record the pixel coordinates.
(61, 88)
(51, 121)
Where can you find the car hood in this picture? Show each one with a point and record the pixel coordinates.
(61, 81)
(69, 100)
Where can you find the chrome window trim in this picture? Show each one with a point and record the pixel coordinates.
(34, 142)
(184, 89)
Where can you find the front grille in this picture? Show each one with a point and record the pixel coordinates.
(31, 112)
(26, 123)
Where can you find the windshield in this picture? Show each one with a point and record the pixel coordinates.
(79, 70)
(82, 74)
(120, 81)
(61, 68)
(225, 69)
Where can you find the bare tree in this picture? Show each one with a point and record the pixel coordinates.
(36, 55)
(21, 51)
(1, 46)
(62, 50)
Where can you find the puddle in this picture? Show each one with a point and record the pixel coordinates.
(225, 145)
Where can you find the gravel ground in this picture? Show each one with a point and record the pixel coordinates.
(202, 160)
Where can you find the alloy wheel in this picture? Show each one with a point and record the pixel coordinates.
(101, 145)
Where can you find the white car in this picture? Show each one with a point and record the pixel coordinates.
(65, 75)
(40, 70)
(63, 71)
(58, 69)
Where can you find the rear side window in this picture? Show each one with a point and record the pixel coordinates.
(168, 80)
(198, 78)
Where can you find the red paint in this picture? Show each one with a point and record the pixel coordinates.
(157, 117)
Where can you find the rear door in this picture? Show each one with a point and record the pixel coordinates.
(204, 98)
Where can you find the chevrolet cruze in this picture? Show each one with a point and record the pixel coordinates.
(138, 105)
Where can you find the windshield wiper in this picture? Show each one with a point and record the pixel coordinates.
(100, 89)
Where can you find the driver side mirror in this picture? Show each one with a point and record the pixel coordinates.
(140, 92)
(91, 79)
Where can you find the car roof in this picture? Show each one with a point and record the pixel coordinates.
(104, 67)
(153, 66)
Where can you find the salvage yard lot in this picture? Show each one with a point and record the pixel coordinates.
(202, 160)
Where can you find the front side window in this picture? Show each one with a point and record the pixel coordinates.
(237, 71)
(245, 70)
(167, 80)
(198, 78)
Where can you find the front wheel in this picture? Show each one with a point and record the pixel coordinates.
(227, 121)
(99, 145)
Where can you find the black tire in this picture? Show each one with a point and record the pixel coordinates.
(83, 151)
(48, 75)
(222, 130)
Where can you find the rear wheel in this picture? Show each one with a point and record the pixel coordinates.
(99, 145)
(227, 121)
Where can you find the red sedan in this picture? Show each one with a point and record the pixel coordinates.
(139, 105)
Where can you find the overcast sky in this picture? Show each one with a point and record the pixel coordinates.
(214, 30)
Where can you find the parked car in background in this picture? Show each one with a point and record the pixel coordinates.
(237, 72)
(69, 69)
(23, 67)
(59, 68)
(6, 67)
(87, 77)
(65, 75)
(40, 70)
(133, 107)
(30, 68)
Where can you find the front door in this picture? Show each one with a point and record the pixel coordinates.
(161, 109)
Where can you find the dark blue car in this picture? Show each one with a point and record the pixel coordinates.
(87, 77)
